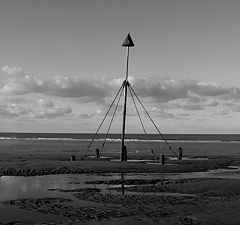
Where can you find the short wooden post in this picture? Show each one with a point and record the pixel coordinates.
(180, 153)
(73, 158)
(125, 153)
(97, 153)
(163, 159)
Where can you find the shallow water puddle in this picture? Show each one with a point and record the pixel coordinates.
(12, 188)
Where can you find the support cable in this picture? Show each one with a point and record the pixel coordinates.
(120, 95)
(169, 147)
(150, 146)
(101, 123)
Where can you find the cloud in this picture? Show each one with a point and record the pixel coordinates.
(165, 90)
(51, 112)
(222, 112)
(18, 107)
(161, 91)
(158, 90)
(12, 70)
(47, 109)
(213, 103)
(19, 83)
(29, 95)
(160, 113)
(193, 107)
(74, 87)
(211, 89)
(188, 95)
(12, 111)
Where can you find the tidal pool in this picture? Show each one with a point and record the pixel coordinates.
(17, 187)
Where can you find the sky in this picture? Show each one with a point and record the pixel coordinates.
(62, 63)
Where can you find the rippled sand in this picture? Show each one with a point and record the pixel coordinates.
(181, 192)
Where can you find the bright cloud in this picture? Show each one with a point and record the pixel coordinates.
(12, 70)
(168, 89)
(20, 107)
(68, 87)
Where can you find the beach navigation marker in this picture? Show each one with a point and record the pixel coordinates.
(128, 42)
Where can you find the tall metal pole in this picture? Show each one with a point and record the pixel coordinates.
(124, 108)
(127, 43)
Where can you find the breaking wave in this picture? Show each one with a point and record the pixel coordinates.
(87, 139)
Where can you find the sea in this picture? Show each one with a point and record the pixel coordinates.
(25, 147)
(138, 145)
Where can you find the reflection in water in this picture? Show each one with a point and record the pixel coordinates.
(123, 181)
(13, 187)
(27, 187)
(38, 187)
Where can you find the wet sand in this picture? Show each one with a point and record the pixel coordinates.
(205, 200)
(44, 164)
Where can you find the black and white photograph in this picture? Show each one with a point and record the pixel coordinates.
(119, 112)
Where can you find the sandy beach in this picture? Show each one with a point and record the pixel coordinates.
(192, 198)
(119, 112)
